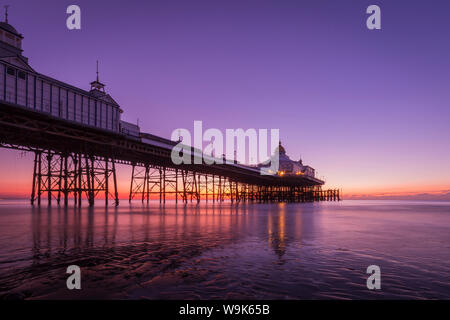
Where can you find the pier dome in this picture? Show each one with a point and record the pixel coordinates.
(11, 45)
(288, 166)
(7, 27)
(10, 36)
(281, 149)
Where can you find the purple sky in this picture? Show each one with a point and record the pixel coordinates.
(368, 109)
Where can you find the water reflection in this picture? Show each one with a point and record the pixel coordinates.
(276, 228)
(213, 251)
(62, 230)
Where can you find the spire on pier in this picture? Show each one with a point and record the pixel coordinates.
(6, 13)
(97, 85)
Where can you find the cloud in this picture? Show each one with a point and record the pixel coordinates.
(443, 195)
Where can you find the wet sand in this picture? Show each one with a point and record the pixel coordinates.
(246, 251)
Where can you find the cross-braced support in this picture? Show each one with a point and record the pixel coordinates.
(72, 175)
(149, 181)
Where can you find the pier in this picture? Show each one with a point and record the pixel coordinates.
(78, 138)
(74, 162)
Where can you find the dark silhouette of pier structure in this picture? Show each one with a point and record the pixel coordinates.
(75, 162)
(78, 138)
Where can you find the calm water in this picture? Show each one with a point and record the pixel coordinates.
(256, 251)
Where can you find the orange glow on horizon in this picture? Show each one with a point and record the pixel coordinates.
(16, 171)
(23, 190)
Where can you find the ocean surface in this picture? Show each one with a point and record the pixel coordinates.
(226, 251)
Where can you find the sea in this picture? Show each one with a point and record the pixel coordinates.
(226, 250)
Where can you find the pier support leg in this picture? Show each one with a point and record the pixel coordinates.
(116, 194)
(33, 189)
